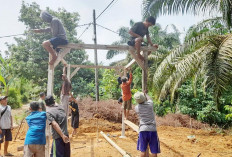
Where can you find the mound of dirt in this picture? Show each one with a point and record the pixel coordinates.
(110, 110)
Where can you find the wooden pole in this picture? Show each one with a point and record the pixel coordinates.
(123, 152)
(68, 72)
(49, 92)
(95, 55)
(145, 71)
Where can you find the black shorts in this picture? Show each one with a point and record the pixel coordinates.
(132, 43)
(75, 121)
(58, 41)
(6, 134)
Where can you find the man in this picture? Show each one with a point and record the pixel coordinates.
(126, 94)
(57, 119)
(42, 102)
(6, 124)
(75, 114)
(138, 31)
(58, 34)
(65, 91)
(147, 125)
(34, 145)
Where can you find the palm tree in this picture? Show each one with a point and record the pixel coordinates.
(196, 7)
(204, 54)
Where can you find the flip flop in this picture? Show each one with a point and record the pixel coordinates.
(8, 154)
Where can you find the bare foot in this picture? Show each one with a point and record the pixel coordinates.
(53, 60)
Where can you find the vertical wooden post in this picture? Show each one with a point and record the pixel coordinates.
(123, 116)
(49, 92)
(145, 71)
(95, 55)
(68, 72)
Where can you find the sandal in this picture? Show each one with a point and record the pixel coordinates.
(8, 154)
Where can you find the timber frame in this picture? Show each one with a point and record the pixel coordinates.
(66, 49)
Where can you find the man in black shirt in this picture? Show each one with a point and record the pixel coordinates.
(75, 114)
(138, 31)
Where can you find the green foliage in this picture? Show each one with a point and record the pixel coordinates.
(109, 85)
(13, 98)
(163, 108)
(229, 109)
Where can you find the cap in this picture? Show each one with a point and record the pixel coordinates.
(120, 100)
(3, 97)
(49, 100)
(139, 97)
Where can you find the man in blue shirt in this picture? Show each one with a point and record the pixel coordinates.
(35, 140)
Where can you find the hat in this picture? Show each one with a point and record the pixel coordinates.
(124, 79)
(3, 97)
(139, 97)
(49, 100)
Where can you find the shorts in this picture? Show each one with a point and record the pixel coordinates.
(58, 41)
(34, 150)
(132, 42)
(127, 105)
(6, 133)
(151, 138)
(75, 121)
(60, 149)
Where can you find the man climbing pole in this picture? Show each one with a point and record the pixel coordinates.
(58, 34)
(138, 31)
(126, 94)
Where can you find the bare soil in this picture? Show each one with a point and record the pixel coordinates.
(173, 131)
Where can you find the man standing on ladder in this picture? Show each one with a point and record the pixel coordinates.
(65, 92)
(138, 31)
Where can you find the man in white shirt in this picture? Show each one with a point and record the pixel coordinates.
(6, 124)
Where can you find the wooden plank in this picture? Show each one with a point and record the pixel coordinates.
(61, 56)
(64, 62)
(98, 66)
(130, 64)
(74, 72)
(123, 152)
(140, 63)
(106, 47)
(132, 125)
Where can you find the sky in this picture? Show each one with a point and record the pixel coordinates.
(116, 16)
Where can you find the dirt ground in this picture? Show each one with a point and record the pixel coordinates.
(174, 141)
(173, 131)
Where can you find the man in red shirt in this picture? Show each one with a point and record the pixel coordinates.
(126, 94)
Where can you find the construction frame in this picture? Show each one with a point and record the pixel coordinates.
(67, 48)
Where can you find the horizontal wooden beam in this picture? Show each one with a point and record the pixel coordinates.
(132, 125)
(98, 66)
(123, 152)
(106, 47)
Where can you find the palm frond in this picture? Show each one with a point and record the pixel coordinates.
(161, 7)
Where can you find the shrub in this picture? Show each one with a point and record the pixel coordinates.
(14, 98)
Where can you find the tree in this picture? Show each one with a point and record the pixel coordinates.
(28, 57)
(197, 7)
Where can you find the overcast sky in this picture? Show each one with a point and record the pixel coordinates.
(114, 17)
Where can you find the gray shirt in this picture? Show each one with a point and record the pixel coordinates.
(56, 28)
(57, 113)
(146, 116)
(5, 121)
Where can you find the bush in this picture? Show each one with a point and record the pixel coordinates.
(14, 98)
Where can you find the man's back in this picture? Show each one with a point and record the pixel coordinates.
(36, 132)
(126, 90)
(57, 113)
(146, 116)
